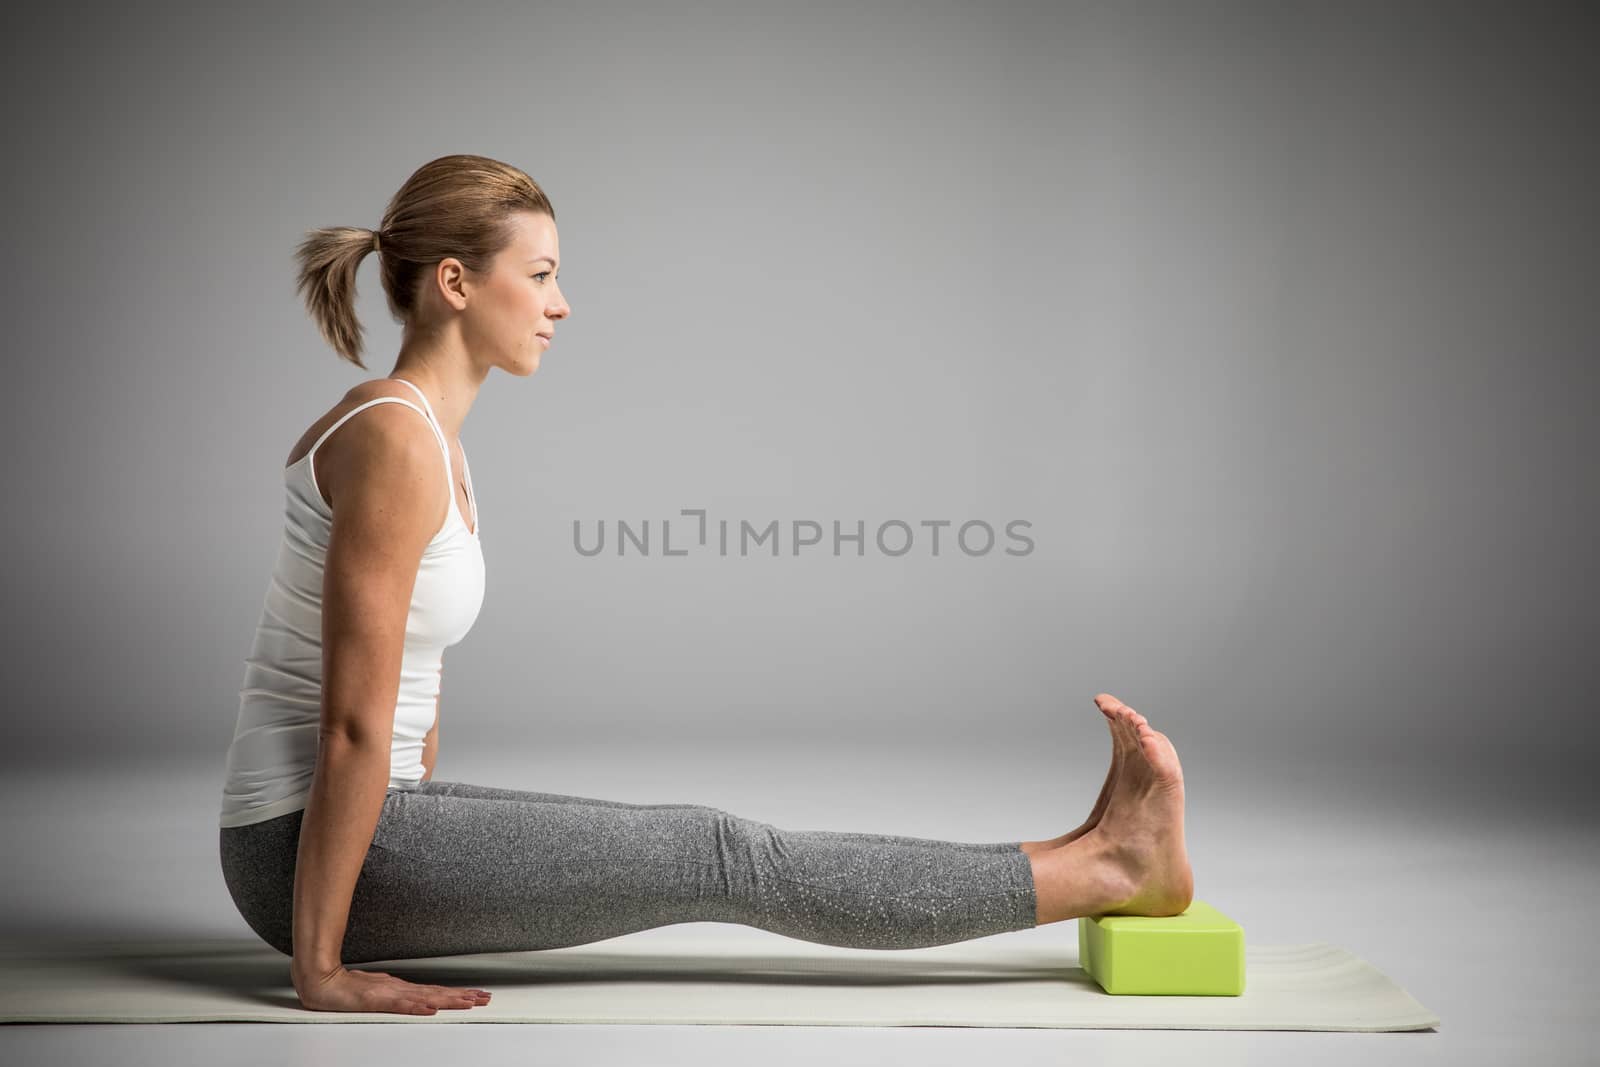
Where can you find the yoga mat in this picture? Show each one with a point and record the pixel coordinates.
(681, 975)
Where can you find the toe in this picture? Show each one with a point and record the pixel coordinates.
(1119, 736)
(1125, 723)
(1138, 736)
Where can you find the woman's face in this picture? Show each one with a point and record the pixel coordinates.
(514, 310)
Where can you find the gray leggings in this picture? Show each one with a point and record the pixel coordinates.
(457, 869)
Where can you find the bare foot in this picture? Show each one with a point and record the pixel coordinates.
(1141, 831)
(1121, 745)
(1118, 746)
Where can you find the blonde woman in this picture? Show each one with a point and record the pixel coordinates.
(338, 846)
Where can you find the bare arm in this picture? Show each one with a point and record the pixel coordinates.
(430, 744)
(383, 480)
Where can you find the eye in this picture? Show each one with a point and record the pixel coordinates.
(542, 275)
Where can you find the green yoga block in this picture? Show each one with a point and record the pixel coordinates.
(1197, 954)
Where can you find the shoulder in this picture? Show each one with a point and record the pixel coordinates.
(380, 441)
(385, 428)
(378, 424)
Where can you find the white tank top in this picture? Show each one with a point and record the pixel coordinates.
(275, 740)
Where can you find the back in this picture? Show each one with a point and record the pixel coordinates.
(366, 594)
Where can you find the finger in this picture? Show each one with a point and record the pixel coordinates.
(453, 994)
(455, 1001)
(452, 991)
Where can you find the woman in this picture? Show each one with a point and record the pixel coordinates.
(338, 846)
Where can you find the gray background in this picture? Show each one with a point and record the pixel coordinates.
(1275, 321)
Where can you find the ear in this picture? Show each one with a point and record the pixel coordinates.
(450, 278)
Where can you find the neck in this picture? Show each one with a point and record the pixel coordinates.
(442, 369)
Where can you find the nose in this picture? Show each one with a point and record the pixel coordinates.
(560, 309)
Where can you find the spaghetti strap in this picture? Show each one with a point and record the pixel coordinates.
(449, 469)
(311, 467)
(444, 446)
(359, 408)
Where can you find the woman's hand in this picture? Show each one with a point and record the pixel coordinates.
(342, 990)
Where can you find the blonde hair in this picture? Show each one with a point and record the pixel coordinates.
(459, 205)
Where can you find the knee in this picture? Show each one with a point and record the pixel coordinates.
(724, 823)
(741, 839)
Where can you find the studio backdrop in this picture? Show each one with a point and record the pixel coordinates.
(931, 368)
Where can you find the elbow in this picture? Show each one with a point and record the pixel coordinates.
(354, 741)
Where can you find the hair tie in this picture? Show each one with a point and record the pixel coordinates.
(374, 240)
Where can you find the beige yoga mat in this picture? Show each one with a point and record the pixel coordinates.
(683, 974)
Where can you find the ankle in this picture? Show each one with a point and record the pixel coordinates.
(1035, 847)
(1117, 875)
(1082, 877)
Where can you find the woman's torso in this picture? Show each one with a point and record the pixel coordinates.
(273, 754)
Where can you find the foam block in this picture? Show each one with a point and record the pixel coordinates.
(1197, 954)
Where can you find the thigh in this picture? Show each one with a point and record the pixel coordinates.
(448, 874)
(469, 791)
(489, 792)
